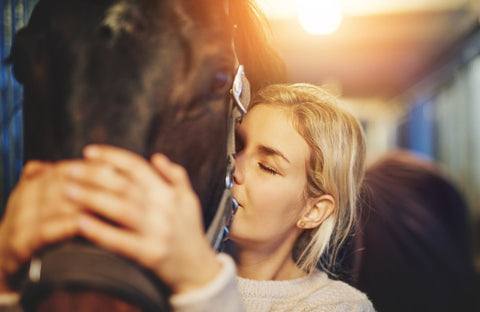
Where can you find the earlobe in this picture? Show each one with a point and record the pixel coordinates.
(301, 224)
(318, 210)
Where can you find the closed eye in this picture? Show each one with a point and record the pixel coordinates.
(267, 169)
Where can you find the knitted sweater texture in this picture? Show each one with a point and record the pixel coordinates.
(311, 293)
(314, 293)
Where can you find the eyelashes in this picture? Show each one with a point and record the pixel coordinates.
(267, 169)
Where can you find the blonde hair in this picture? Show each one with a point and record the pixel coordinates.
(336, 164)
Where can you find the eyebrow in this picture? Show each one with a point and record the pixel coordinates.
(271, 151)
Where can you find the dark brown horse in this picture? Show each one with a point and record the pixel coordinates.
(146, 75)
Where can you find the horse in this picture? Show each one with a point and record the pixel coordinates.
(145, 75)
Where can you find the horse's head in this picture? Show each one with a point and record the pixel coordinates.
(146, 75)
(149, 76)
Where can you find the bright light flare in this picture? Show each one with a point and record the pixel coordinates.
(319, 16)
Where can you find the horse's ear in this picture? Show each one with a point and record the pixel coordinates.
(26, 51)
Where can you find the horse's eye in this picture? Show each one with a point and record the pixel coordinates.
(221, 81)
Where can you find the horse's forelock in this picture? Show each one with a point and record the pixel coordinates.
(119, 18)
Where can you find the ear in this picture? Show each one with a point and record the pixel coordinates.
(317, 210)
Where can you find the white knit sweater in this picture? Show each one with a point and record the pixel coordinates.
(314, 293)
(311, 293)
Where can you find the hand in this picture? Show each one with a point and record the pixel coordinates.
(38, 213)
(154, 216)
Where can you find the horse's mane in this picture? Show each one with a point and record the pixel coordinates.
(253, 44)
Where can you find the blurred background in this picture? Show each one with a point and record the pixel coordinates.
(408, 69)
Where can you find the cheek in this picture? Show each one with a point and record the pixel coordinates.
(273, 209)
(278, 203)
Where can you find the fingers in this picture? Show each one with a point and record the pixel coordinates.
(136, 167)
(171, 172)
(114, 198)
(33, 167)
(49, 232)
(37, 214)
(102, 176)
(157, 228)
(61, 229)
(129, 163)
(155, 252)
(110, 237)
(119, 209)
(40, 210)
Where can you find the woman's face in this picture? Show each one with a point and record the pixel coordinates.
(270, 179)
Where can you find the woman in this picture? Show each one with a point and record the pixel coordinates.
(298, 169)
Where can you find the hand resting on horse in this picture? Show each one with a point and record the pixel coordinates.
(93, 198)
(25, 229)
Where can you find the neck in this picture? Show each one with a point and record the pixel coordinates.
(264, 263)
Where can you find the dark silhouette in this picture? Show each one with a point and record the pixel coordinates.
(413, 248)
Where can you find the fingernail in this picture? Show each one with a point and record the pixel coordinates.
(91, 151)
(162, 157)
(159, 160)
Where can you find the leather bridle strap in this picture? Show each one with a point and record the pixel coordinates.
(74, 265)
(240, 97)
(239, 100)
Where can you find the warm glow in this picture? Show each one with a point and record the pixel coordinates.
(319, 16)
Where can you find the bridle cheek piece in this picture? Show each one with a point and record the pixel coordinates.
(239, 99)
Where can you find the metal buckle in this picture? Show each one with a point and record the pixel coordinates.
(237, 89)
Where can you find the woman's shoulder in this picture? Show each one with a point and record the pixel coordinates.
(339, 295)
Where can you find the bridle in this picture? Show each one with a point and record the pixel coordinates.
(239, 99)
(111, 273)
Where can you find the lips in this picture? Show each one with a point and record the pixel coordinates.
(238, 201)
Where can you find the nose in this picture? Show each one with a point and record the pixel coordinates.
(238, 172)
